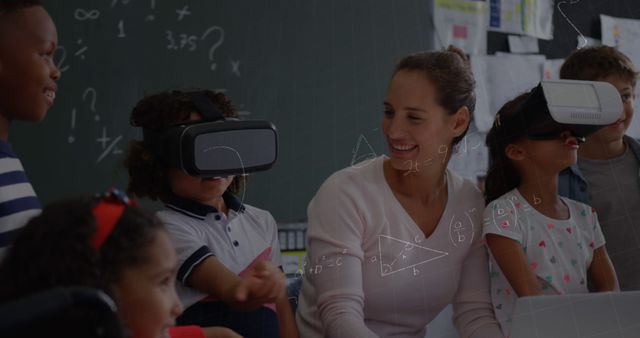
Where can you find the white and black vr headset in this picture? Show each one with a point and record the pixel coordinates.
(580, 107)
(215, 146)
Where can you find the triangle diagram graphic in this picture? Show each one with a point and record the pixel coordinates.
(363, 152)
(405, 255)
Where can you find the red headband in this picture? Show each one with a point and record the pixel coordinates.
(107, 213)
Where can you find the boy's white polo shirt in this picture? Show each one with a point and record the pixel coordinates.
(237, 239)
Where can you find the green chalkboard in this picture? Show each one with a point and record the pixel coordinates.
(317, 69)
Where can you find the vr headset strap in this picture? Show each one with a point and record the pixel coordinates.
(155, 140)
(152, 141)
(207, 108)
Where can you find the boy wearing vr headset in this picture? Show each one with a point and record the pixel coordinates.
(606, 175)
(228, 251)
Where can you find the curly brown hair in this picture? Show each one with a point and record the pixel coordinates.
(450, 73)
(147, 171)
(596, 63)
(54, 249)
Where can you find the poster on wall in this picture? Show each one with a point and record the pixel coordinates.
(500, 78)
(462, 23)
(528, 17)
(624, 34)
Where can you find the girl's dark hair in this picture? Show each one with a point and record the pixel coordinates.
(502, 175)
(450, 73)
(54, 250)
(147, 172)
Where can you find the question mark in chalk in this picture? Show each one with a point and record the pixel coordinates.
(93, 100)
(215, 45)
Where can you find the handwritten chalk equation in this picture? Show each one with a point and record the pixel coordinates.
(461, 229)
(191, 42)
(322, 263)
(92, 95)
(109, 145)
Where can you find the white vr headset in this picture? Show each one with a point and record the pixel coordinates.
(581, 107)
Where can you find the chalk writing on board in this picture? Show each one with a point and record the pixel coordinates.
(216, 44)
(61, 56)
(121, 33)
(104, 139)
(82, 15)
(181, 41)
(189, 42)
(91, 92)
(71, 139)
(150, 17)
(235, 67)
(111, 148)
(183, 12)
(80, 52)
(124, 2)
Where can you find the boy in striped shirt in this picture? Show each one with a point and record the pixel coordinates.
(28, 75)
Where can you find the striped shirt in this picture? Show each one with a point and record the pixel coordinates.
(18, 201)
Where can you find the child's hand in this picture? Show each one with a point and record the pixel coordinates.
(219, 332)
(264, 284)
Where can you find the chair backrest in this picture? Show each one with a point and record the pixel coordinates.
(61, 312)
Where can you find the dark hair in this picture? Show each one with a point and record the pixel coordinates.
(54, 249)
(502, 175)
(10, 6)
(596, 63)
(450, 73)
(148, 172)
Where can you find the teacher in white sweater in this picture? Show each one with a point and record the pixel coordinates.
(393, 240)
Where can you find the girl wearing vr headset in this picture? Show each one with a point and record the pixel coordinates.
(540, 243)
(228, 251)
(108, 244)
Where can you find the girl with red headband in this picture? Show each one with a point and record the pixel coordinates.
(108, 244)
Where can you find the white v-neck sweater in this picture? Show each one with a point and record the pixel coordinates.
(371, 272)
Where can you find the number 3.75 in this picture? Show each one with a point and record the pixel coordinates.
(185, 41)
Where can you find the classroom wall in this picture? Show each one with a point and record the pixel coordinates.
(317, 69)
